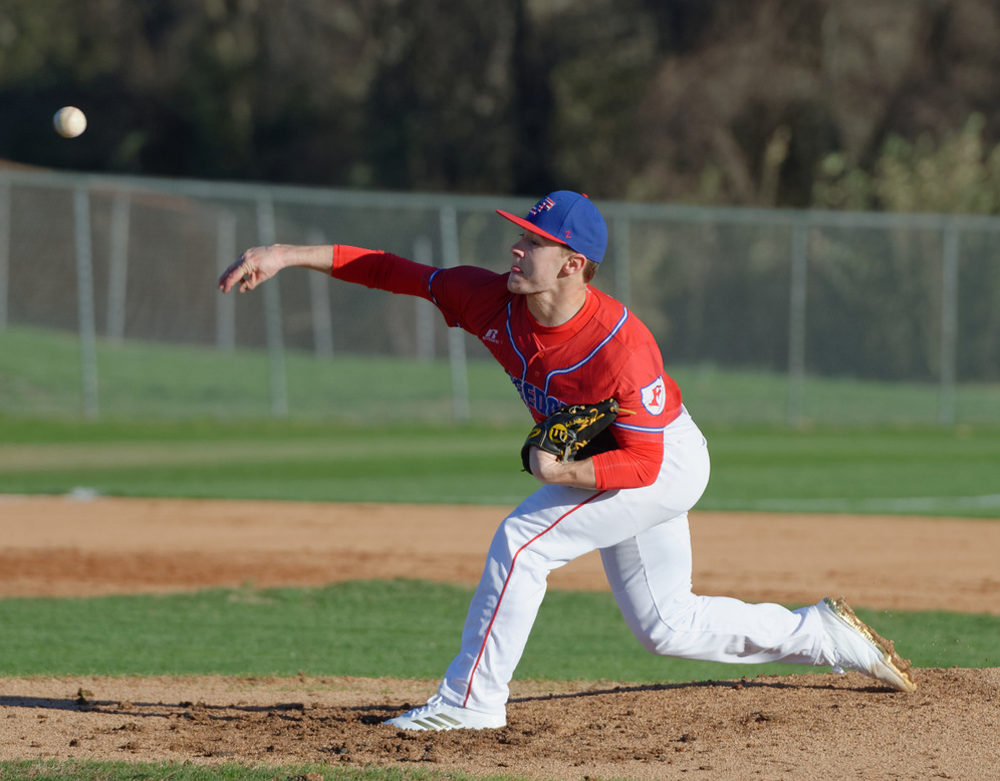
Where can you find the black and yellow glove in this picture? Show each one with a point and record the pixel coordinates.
(565, 432)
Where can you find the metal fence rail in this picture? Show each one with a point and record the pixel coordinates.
(769, 315)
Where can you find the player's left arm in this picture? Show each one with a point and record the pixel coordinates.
(655, 401)
(649, 401)
(548, 469)
(633, 464)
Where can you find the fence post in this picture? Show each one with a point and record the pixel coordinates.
(5, 223)
(949, 324)
(267, 233)
(797, 322)
(319, 301)
(424, 253)
(85, 300)
(118, 267)
(456, 336)
(622, 259)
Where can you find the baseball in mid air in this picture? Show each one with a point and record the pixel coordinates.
(69, 121)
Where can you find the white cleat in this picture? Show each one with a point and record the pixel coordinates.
(437, 715)
(851, 643)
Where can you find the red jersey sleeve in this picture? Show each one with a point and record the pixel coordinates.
(455, 291)
(382, 270)
(468, 296)
(634, 464)
(655, 401)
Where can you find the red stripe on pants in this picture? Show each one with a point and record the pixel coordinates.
(513, 562)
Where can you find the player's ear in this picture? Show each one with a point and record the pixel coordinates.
(574, 263)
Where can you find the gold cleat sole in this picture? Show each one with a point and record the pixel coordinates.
(899, 668)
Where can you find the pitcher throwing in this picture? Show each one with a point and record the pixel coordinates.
(627, 492)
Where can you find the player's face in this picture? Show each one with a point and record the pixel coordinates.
(537, 264)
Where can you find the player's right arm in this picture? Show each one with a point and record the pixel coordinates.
(259, 264)
(372, 268)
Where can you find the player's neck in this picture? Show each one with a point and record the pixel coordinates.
(552, 308)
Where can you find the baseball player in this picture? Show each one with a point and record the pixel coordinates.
(627, 494)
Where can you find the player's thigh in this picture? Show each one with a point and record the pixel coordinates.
(652, 565)
(559, 524)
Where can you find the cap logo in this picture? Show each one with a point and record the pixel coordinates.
(568, 218)
(542, 206)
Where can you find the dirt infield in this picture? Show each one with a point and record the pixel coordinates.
(818, 727)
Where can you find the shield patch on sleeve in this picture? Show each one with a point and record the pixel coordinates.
(654, 396)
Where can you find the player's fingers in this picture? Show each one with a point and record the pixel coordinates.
(230, 276)
(242, 271)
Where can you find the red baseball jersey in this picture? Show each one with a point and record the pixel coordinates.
(603, 351)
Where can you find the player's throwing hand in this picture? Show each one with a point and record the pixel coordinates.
(258, 264)
(254, 266)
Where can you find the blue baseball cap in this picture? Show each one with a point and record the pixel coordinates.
(568, 218)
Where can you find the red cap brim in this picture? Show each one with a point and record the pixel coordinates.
(528, 226)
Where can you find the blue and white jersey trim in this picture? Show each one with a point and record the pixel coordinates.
(641, 429)
(590, 357)
(510, 340)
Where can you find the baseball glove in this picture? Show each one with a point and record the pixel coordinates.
(566, 431)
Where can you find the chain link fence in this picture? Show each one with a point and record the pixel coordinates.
(109, 307)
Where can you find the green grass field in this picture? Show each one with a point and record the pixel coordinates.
(401, 629)
(928, 471)
(130, 771)
(40, 377)
(197, 422)
(186, 424)
(342, 630)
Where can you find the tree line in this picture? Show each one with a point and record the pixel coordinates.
(883, 104)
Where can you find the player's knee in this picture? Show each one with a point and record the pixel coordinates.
(514, 547)
(662, 630)
(507, 541)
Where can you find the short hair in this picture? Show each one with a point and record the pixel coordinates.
(589, 267)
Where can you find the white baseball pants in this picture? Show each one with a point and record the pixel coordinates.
(645, 546)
